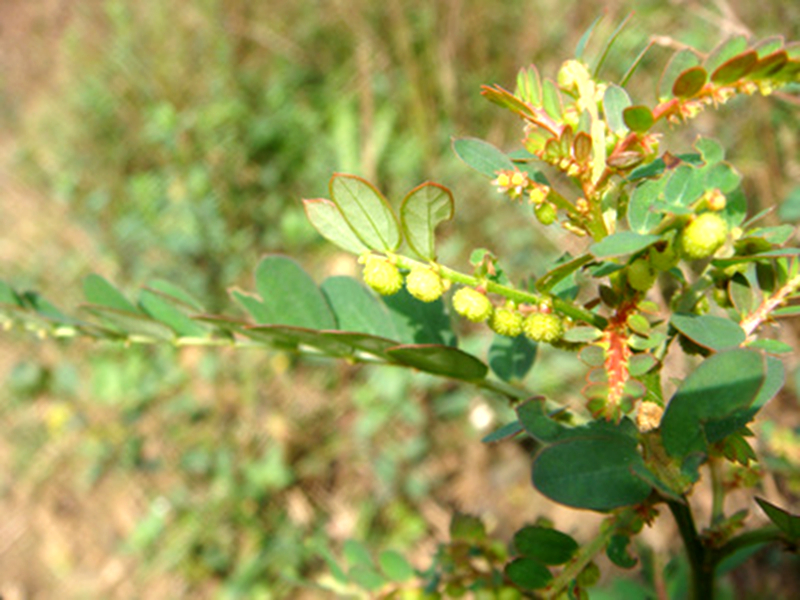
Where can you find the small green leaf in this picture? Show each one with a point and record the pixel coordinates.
(529, 87)
(482, 156)
(130, 323)
(356, 309)
(684, 186)
(8, 295)
(395, 566)
(173, 292)
(638, 118)
(681, 61)
(289, 337)
(734, 68)
(423, 209)
(640, 364)
(591, 472)
(768, 66)
(366, 211)
(546, 545)
(330, 224)
(641, 217)
(551, 99)
(582, 334)
(440, 360)
(161, 309)
(622, 243)
(581, 47)
(527, 573)
(507, 431)
(547, 281)
(723, 384)
(289, 296)
(361, 341)
(714, 333)
(771, 346)
(711, 150)
(783, 519)
(356, 553)
(617, 552)
(512, 358)
(690, 82)
(741, 295)
(99, 291)
(537, 423)
(723, 177)
(366, 577)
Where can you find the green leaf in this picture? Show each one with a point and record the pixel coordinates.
(423, 209)
(622, 243)
(130, 323)
(440, 360)
(771, 346)
(366, 577)
(582, 334)
(684, 186)
(529, 87)
(8, 295)
(546, 545)
(714, 333)
(175, 293)
(741, 295)
(581, 47)
(617, 552)
(723, 384)
(395, 566)
(528, 573)
(512, 358)
(360, 341)
(289, 296)
(723, 177)
(482, 156)
(507, 431)
(591, 472)
(734, 68)
(551, 99)
(724, 52)
(615, 100)
(366, 211)
(640, 364)
(289, 337)
(357, 309)
(550, 279)
(641, 217)
(638, 118)
(538, 423)
(783, 520)
(681, 61)
(711, 150)
(689, 82)
(331, 224)
(99, 291)
(161, 309)
(768, 66)
(419, 322)
(355, 553)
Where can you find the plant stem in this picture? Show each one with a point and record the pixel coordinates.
(764, 535)
(717, 492)
(519, 296)
(700, 561)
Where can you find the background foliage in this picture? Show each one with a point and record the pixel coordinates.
(173, 140)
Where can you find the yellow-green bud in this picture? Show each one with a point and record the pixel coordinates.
(572, 75)
(546, 213)
(543, 327)
(381, 275)
(641, 275)
(665, 259)
(506, 321)
(703, 236)
(424, 284)
(471, 304)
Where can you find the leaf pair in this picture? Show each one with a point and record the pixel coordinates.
(358, 218)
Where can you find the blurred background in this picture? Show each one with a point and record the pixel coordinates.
(174, 139)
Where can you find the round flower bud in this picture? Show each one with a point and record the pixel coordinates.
(663, 260)
(506, 321)
(641, 275)
(649, 416)
(546, 213)
(381, 275)
(424, 284)
(543, 327)
(703, 236)
(471, 304)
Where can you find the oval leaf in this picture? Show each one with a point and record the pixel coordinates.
(725, 51)
(99, 291)
(330, 224)
(734, 68)
(681, 61)
(482, 156)
(395, 566)
(440, 360)
(546, 545)
(638, 118)
(591, 472)
(723, 384)
(622, 243)
(366, 211)
(690, 82)
(528, 574)
(289, 296)
(512, 358)
(423, 209)
(714, 333)
(356, 309)
(615, 100)
(165, 311)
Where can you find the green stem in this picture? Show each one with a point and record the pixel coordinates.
(700, 562)
(717, 492)
(764, 535)
(519, 296)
